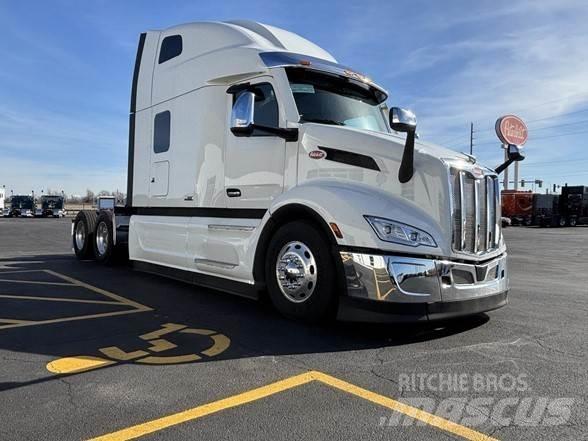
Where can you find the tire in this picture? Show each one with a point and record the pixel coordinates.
(572, 221)
(528, 221)
(561, 222)
(83, 234)
(104, 240)
(311, 295)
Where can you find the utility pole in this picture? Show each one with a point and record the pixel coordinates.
(471, 138)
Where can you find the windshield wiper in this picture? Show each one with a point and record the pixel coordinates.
(323, 121)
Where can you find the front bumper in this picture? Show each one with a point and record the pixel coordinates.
(398, 288)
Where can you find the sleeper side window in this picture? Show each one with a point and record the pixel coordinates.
(171, 47)
(161, 132)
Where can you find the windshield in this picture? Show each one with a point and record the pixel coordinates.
(330, 99)
(22, 202)
(52, 202)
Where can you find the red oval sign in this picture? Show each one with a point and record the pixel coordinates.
(317, 154)
(511, 130)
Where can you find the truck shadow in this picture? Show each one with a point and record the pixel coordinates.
(179, 323)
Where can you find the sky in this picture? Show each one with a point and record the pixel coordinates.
(66, 67)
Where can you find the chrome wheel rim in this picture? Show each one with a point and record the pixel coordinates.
(102, 238)
(296, 272)
(80, 235)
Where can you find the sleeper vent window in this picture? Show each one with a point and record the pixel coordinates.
(161, 132)
(171, 47)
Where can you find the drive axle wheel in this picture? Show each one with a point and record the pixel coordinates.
(104, 240)
(300, 272)
(83, 233)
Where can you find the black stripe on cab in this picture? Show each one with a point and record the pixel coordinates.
(350, 158)
(235, 213)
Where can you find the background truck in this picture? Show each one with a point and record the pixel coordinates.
(2, 200)
(517, 206)
(260, 166)
(546, 210)
(22, 206)
(51, 206)
(573, 205)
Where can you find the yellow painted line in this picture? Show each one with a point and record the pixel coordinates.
(280, 386)
(76, 318)
(36, 282)
(206, 409)
(5, 320)
(413, 412)
(99, 291)
(117, 300)
(75, 365)
(59, 299)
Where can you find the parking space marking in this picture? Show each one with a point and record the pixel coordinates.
(35, 282)
(114, 299)
(4, 320)
(283, 385)
(58, 299)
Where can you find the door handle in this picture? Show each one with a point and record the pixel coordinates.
(189, 198)
(233, 192)
(152, 180)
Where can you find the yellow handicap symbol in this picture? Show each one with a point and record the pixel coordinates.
(149, 355)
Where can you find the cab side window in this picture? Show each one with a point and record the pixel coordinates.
(265, 110)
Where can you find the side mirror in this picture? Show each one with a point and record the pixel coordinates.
(514, 154)
(242, 114)
(402, 120)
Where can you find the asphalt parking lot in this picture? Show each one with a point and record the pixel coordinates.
(89, 351)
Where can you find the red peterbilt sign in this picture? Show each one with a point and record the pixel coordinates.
(511, 130)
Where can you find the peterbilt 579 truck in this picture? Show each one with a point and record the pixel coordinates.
(261, 166)
(51, 206)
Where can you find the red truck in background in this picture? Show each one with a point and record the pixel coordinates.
(518, 206)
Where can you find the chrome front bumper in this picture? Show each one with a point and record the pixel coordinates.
(434, 283)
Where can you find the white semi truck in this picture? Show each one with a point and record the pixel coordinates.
(260, 166)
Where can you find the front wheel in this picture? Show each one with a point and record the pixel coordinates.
(300, 273)
(562, 222)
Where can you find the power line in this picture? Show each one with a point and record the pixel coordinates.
(555, 125)
(546, 137)
(553, 162)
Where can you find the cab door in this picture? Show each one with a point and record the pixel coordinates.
(254, 164)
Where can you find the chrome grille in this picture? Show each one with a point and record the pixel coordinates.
(475, 212)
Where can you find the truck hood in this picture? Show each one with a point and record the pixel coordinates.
(424, 201)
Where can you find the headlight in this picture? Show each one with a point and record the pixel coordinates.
(397, 232)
